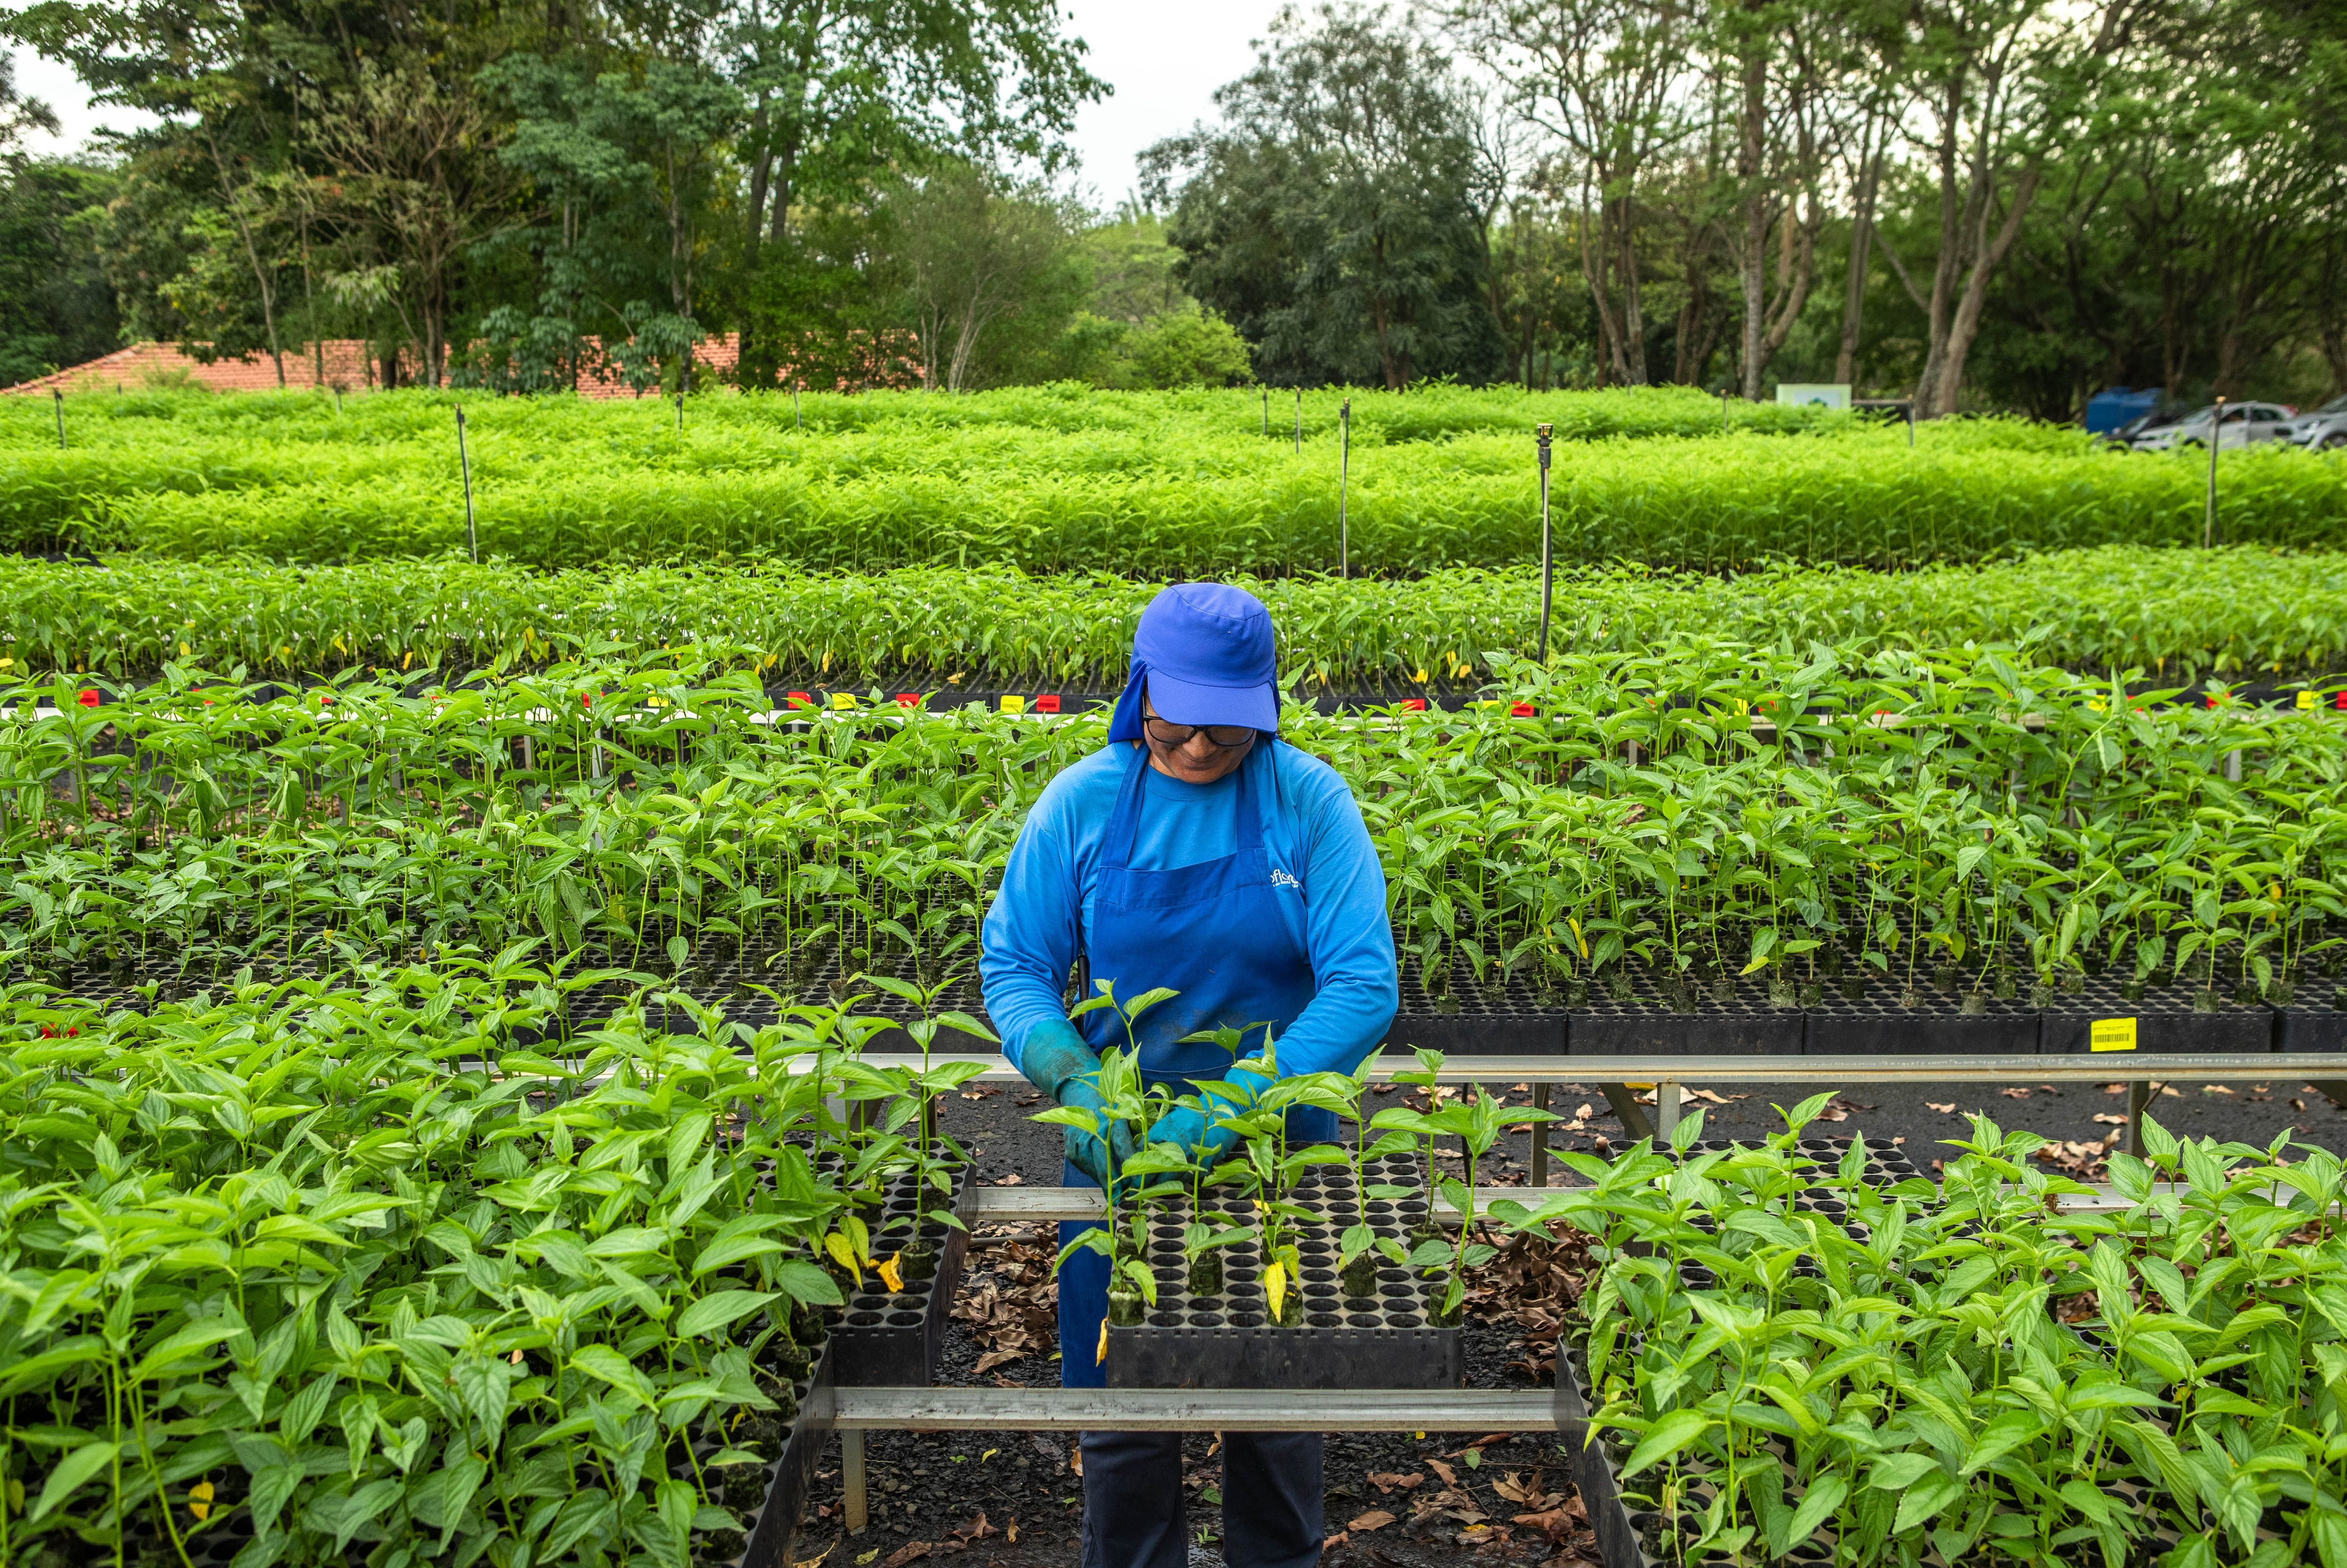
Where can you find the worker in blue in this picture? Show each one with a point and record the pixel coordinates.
(1197, 852)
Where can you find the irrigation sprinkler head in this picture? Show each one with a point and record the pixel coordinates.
(1541, 439)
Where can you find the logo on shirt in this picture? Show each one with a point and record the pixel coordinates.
(1282, 879)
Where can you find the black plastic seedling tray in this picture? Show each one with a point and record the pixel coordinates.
(1228, 1340)
(1497, 1017)
(2313, 1021)
(1647, 1024)
(887, 1340)
(1874, 1023)
(2164, 1022)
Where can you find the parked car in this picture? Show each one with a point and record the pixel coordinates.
(2124, 436)
(2325, 427)
(2245, 424)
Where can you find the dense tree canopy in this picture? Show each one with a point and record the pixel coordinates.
(1976, 203)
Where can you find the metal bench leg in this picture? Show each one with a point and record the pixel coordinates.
(851, 1478)
(1540, 1137)
(1666, 1108)
(1625, 1111)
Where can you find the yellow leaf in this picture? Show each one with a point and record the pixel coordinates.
(890, 1274)
(836, 1244)
(1101, 1355)
(1422, 677)
(1274, 1285)
(338, 644)
(988, 1455)
(199, 1500)
(1579, 938)
(183, 651)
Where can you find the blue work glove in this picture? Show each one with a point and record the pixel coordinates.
(1208, 1145)
(1061, 1065)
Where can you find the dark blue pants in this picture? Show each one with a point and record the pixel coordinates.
(1133, 1513)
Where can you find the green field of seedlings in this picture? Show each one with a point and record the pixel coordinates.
(1145, 484)
(369, 1043)
(2229, 614)
(469, 1034)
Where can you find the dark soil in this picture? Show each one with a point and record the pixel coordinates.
(1394, 1500)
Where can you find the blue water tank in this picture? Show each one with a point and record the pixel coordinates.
(2114, 406)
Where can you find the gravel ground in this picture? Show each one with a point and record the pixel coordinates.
(1011, 1499)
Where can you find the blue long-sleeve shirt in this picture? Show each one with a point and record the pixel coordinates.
(1312, 829)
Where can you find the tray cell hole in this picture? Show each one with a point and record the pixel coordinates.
(1246, 1319)
(1323, 1319)
(905, 1319)
(1206, 1320)
(1165, 1320)
(1366, 1319)
(863, 1319)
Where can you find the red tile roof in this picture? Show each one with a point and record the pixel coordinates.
(145, 364)
(889, 363)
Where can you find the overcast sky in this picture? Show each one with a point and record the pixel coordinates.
(1165, 62)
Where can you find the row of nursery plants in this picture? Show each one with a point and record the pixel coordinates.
(2232, 613)
(139, 415)
(632, 484)
(1715, 818)
(317, 1274)
(1787, 1362)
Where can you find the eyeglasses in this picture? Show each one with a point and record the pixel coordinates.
(1167, 733)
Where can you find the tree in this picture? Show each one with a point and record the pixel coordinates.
(2000, 83)
(840, 93)
(1606, 78)
(57, 305)
(975, 250)
(1331, 217)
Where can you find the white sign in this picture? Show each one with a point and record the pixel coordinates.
(1813, 394)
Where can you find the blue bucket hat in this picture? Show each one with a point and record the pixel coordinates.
(1204, 651)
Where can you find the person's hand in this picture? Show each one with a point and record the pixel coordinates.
(1062, 1066)
(1189, 1130)
(1091, 1153)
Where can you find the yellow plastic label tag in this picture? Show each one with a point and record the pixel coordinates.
(842, 700)
(1014, 704)
(2111, 1034)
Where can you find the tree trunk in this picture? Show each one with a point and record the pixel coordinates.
(1634, 320)
(1987, 256)
(1596, 264)
(760, 173)
(1862, 240)
(1753, 261)
(1943, 270)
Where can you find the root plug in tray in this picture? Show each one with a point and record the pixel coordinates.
(1225, 1339)
(887, 1338)
(1720, 1017)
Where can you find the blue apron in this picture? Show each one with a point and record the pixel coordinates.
(1212, 933)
